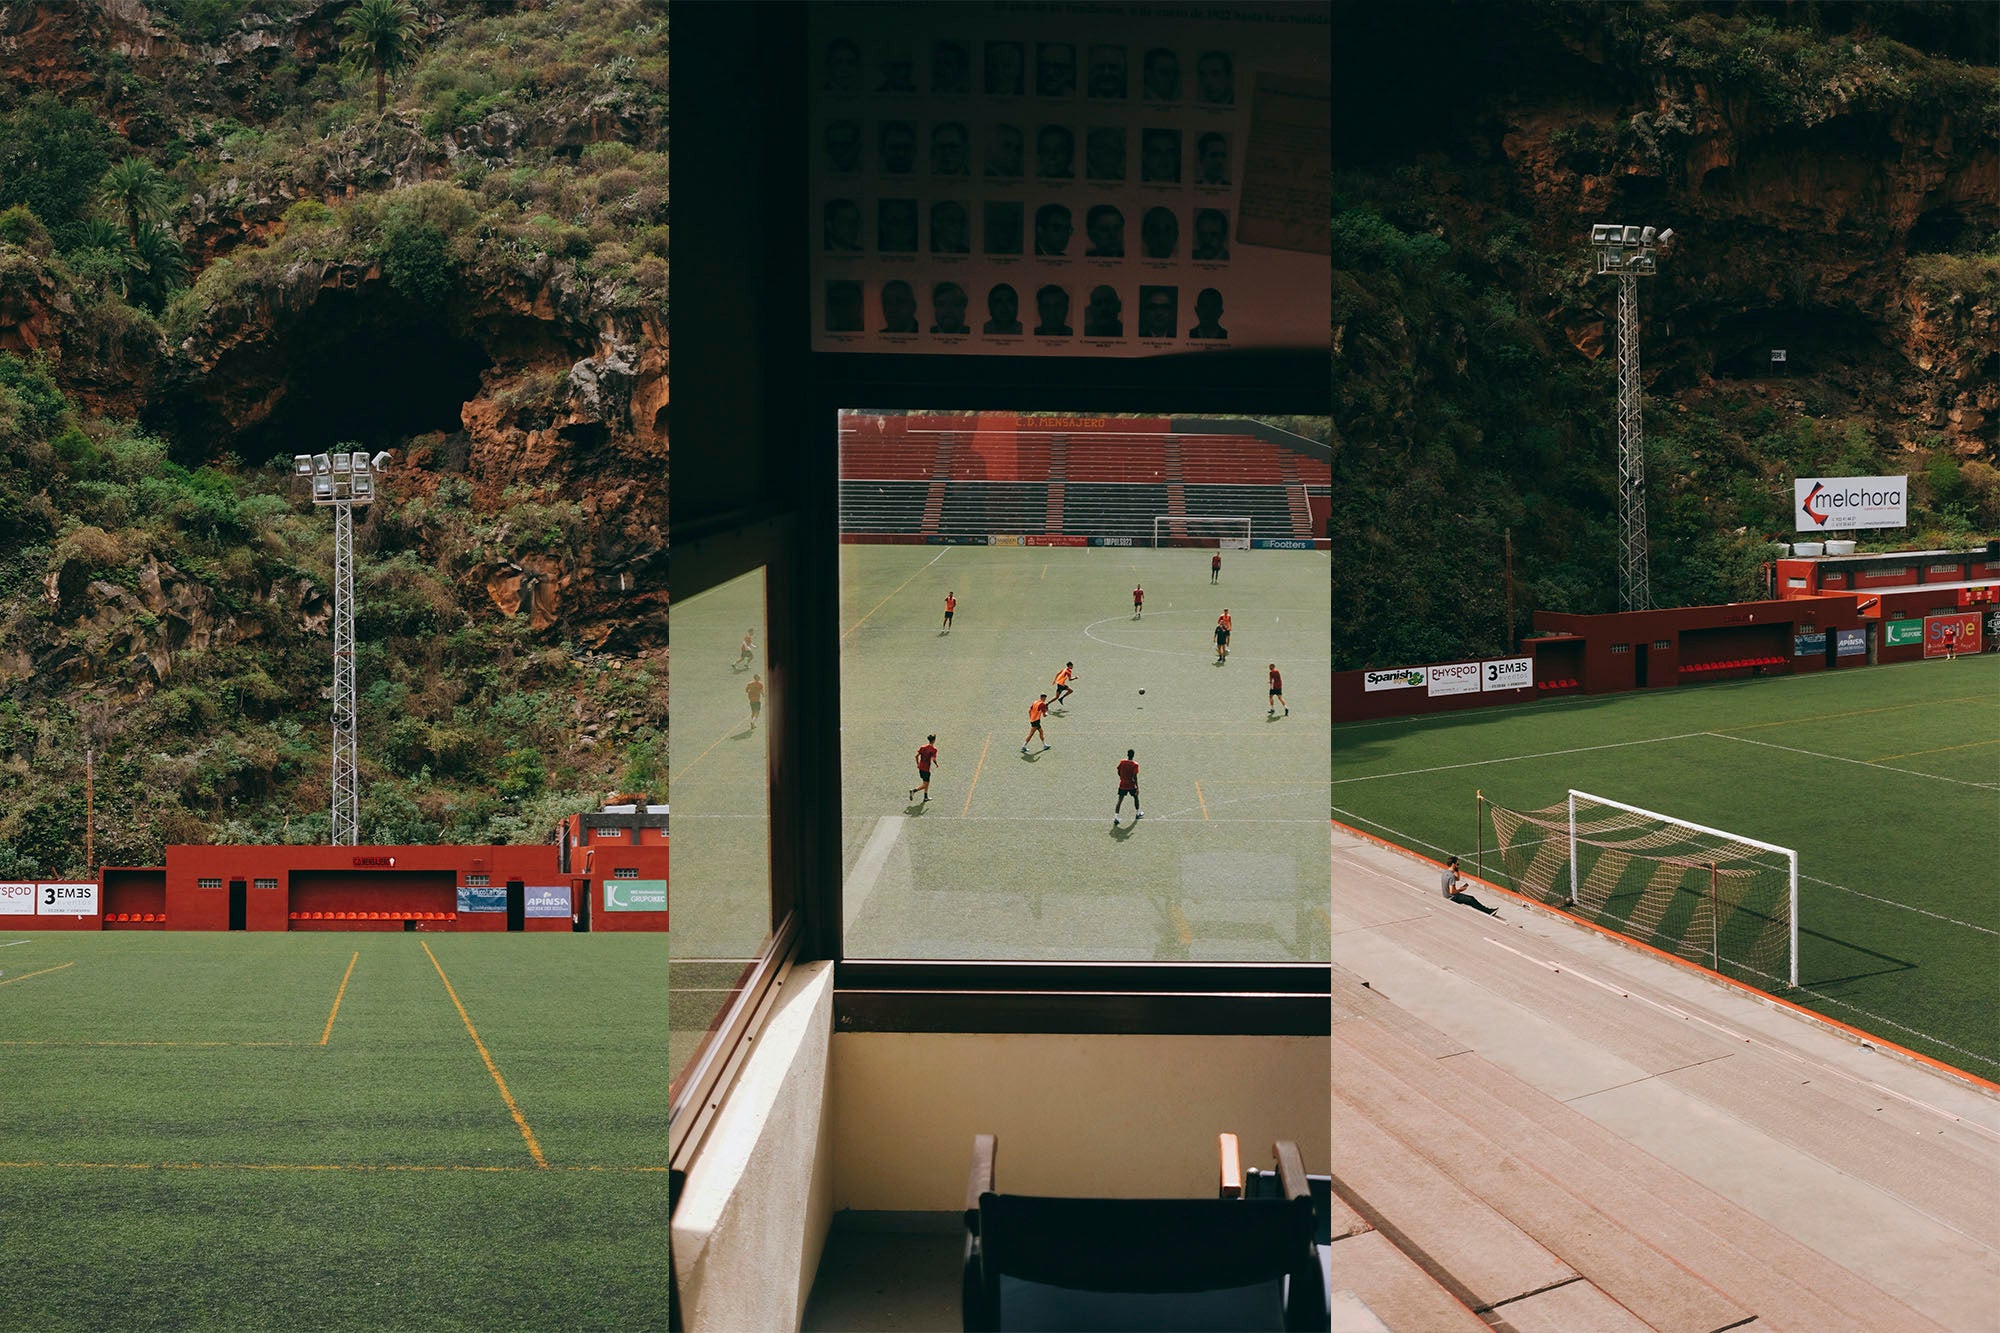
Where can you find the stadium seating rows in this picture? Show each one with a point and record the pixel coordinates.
(374, 916)
(1567, 684)
(1731, 664)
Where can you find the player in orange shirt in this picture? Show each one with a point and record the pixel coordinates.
(1222, 635)
(1277, 692)
(1128, 785)
(926, 761)
(950, 605)
(754, 691)
(1063, 678)
(1138, 601)
(1037, 710)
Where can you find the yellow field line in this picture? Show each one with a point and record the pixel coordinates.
(1045, 573)
(1200, 799)
(32, 1042)
(884, 602)
(303, 1166)
(534, 1148)
(1940, 750)
(679, 773)
(980, 767)
(337, 996)
(29, 976)
(1859, 712)
(1181, 923)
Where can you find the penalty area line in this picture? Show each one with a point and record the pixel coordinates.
(30, 976)
(513, 1108)
(337, 997)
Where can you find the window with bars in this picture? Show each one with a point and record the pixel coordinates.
(206, 882)
(267, 883)
(624, 872)
(477, 881)
(1621, 647)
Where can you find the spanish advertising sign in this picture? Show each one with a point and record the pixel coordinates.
(1396, 678)
(1837, 504)
(548, 900)
(1947, 635)
(1510, 673)
(66, 899)
(17, 900)
(635, 895)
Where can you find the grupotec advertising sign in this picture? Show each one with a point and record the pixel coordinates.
(1457, 678)
(1396, 678)
(635, 895)
(1900, 633)
(547, 900)
(1510, 673)
(66, 899)
(1836, 504)
(17, 900)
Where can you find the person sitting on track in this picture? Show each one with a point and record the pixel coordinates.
(1453, 884)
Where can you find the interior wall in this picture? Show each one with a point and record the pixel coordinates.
(1131, 1116)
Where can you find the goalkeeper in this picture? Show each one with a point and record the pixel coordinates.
(1453, 885)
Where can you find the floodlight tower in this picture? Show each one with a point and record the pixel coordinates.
(1629, 252)
(341, 481)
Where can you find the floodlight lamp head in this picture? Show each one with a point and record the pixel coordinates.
(1605, 234)
(1631, 236)
(322, 464)
(302, 465)
(342, 462)
(1646, 235)
(380, 460)
(1666, 235)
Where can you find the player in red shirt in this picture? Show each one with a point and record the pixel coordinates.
(950, 605)
(1138, 601)
(1277, 692)
(1215, 568)
(1128, 785)
(1037, 710)
(926, 761)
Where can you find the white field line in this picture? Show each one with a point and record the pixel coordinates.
(1865, 763)
(1516, 758)
(11, 943)
(861, 881)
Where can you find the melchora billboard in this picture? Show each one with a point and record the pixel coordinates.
(1837, 504)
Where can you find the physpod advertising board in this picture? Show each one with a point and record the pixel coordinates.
(547, 900)
(1396, 678)
(1509, 673)
(17, 900)
(1837, 504)
(66, 899)
(635, 895)
(1455, 678)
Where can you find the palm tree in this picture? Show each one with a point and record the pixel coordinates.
(137, 191)
(382, 36)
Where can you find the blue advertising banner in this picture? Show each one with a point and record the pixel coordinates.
(482, 900)
(1281, 544)
(635, 895)
(953, 539)
(1808, 645)
(1112, 541)
(548, 900)
(1850, 643)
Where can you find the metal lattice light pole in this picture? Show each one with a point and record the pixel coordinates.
(342, 481)
(1629, 252)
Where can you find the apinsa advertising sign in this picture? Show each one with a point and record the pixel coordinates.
(1396, 678)
(66, 899)
(17, 900)
(544, 900)
(1850, 643)
(1457, 678)
(1836, 504)
(1509, 673)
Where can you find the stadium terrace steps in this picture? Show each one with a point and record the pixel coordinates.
(1395, 1289)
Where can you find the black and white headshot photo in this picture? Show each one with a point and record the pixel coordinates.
(1208, 315)
(1055, 69)
(843, 307)
(1211, 234)
(1005, 152)
(1053, 229)
(899, 71)
(1160, 156)
(1211, 159)
(951, 228)
(842, 142)
(1102, 314)
(948, 303)
(1162, 77)
(1159, 233)
(896, 226)
(1104, 227)
(951, 67)
(951, 149)
(1055, 152)
(843, 66)
(1215, 78)
(1107, 71)
(1006, 63)
(1003, 310)
(896, 146)
(1052, 307)
(842, 225)
(1159, 311)
(1003, 226)
(899, 308)
(1104, 153)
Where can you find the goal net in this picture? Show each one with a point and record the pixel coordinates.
(1184, 530)
(1719, 899)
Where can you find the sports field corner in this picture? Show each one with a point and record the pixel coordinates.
(1885, 780)
(1015, 855)
(224, 1130)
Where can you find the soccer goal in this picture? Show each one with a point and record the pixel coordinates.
(1720, 899)
(1226, 533)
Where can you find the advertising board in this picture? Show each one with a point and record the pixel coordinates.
(635, 895)
(954, 539)
(1111, 541)
(1004, 539)
(66, 899)
(1396, 678)
(17, 900)
(1281, 544)
(482, 900)
(1809, 645)
(1455, 678)
(1059, 539)
(546, 900)
(1945, 635)
(1837, 504)
(1902, 633)
(1508, 673)
(1850, 643)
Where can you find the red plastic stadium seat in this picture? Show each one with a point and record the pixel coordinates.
(148, 917)
(453, 916)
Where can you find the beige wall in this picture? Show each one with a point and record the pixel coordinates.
(1073, 1114)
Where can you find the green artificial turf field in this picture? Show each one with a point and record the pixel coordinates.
(1015, 856)
(1885, 780)
(300, 1131)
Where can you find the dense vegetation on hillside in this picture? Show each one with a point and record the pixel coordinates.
(172, 191)
(1474, 348)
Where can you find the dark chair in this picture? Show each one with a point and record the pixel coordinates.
(1036, 1263)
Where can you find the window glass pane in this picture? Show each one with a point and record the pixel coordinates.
(719, 773)
(984, 555)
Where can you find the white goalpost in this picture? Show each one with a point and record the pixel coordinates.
(1228, 533)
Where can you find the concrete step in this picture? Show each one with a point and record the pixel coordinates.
(1395, 1290)
(1574, 1307)
(1451, 1126)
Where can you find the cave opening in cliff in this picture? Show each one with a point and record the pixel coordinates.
(368, 367)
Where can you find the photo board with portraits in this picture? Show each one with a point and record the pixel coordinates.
(1106, 179)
